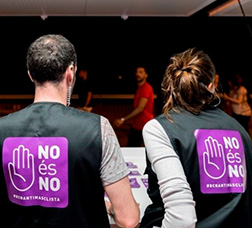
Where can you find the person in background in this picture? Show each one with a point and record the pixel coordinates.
(143, 109)
(218, 88)
(199, 158)
(217, 81)
(224, 104)
(57, 162)
(84, 90)
(238, 98)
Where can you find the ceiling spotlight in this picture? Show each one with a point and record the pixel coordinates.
(124, 16)
(43, 16)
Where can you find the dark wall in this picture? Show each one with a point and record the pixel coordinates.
(111, 47)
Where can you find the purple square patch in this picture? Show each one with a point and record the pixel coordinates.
(36, 170)
(222, 163)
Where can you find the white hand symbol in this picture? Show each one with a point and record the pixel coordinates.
(21, 169)
(213, 159)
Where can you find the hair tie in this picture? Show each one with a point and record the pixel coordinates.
(185, 69)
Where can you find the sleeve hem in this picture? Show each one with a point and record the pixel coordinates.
(116, 177)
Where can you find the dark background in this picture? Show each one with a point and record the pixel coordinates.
(111, 47)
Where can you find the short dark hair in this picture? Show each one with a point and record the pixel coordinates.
(142, 66)
(48, 58)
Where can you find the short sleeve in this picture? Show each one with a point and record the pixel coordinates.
(113, 166)
(147, 91)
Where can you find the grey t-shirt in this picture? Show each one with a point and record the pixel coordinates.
(113, 166)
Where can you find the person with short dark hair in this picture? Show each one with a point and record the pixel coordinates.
(143, 109)
(57, 162)
(84, 91)
(199, 158)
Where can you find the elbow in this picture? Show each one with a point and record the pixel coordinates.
(179, 210)
(183, 217)
(129, 222)
(140, 109)
(185, 221)
(132, 224)
(189, 222)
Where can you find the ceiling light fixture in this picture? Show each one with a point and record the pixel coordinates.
(124, 16)
(43, 16)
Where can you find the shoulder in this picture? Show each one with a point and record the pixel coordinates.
(146, 90)
(14, 116)
(152, 124)
(106, 128)
(104, 121)
(79, 116)
(153, 127)
(243, 89)
(149, 86)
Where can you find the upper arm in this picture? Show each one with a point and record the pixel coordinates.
(142, 103)
(113, 166)
(240, 94)
(114, 176)
(240, 98)
(123, 203)
(146, 95)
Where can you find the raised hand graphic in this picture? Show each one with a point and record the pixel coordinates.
(214, 159)
(21, 169)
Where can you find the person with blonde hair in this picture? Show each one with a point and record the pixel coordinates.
(199, 158)
(239, 102)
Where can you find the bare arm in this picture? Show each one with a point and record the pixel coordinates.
(114, 175)
(125, 209)
(241, 93)
(89, 96)
(142, 103)
(237, 100)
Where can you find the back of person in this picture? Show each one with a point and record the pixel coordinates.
(238, 98)
(242, 108)
(199, 158)
(84, 90)
(221, 193)
(64, 149)
(217, 159)
(57, 162)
